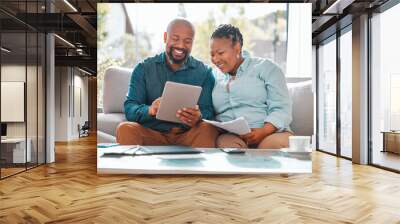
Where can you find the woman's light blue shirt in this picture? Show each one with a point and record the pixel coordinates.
(258, 93)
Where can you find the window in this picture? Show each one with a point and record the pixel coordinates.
(299, 35)
(394, 102)
(327, 96)
(385, 84)
(22, 64)
(140, 35)
(346, 94)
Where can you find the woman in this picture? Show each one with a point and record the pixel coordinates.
(249, 87)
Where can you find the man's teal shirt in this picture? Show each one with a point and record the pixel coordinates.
(147, 84)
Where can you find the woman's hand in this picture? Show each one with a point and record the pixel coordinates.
(255, 136)
(258, 134)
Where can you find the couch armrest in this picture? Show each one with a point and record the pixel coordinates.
(302, 108)
(107, 123)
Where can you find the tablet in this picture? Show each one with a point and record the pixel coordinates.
(177, 96)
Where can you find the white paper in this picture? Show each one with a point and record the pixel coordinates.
(238, 126)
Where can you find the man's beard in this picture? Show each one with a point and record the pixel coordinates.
(177, 61)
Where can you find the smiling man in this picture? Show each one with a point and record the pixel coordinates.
(147, 83)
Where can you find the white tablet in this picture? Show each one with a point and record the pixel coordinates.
(177, 96)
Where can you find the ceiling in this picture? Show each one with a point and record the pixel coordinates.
(328, 16)
(74, 22)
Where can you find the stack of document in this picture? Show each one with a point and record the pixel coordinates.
(238, 126)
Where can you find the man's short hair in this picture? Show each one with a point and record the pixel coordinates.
(180, 20)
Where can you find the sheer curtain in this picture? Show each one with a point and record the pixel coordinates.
(299, 40)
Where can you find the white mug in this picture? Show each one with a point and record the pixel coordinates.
(299, 143)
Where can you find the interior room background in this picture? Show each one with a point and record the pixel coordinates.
(22, 77)
(31, 49)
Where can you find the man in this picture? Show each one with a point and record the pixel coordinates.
(147, 84)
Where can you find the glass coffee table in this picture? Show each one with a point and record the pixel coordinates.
(208, 161)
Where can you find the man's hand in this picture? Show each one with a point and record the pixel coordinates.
(189, 116)
(154, 107)
(255, 136)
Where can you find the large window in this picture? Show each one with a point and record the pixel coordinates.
(327, 96)
(334, 50)
(299, 35)
(346, 93)
(385, 84)
(128, 33)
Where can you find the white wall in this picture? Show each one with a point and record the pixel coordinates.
(69, 85)
(33, 126)
(12, 100)
(80, 84)
(314, 88)
(16, 73)
(61, 103)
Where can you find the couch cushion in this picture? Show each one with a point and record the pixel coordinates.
(107, 123)
(303, 108)
(115, 88)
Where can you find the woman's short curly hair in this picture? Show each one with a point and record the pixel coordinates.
(228, 31)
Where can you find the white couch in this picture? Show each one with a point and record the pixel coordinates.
(115, 87)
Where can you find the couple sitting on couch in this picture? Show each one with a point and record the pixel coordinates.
(248, 87)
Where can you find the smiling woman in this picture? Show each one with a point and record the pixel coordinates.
(249, 87)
